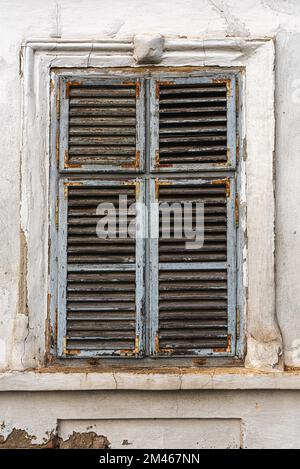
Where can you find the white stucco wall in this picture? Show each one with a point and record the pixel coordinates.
(90, 20)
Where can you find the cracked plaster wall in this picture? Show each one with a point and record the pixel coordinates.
(92, 19)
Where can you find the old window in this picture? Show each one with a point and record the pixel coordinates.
(143, 161)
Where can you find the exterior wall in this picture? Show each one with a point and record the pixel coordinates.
(205, 419)
(256, 418)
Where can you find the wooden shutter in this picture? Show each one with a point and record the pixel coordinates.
(193, 303)
(102, 124)
(194, 123)
(189, 308)
(101, 280)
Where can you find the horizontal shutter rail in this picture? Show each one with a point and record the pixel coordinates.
(190, 120)
(180, 90)
(95, 267)
(102, 92)
(194, 266)
(103, 102)
(102, 125)
(105, 125)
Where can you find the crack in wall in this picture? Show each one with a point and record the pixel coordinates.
(235, 27)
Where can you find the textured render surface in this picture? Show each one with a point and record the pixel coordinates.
(268, 418)
(253, 419)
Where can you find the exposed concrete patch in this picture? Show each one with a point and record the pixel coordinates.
(88, 440)
(18, 439)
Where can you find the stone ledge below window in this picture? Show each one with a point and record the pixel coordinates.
(214, 379)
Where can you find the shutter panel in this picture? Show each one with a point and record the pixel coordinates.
(195, 304)
(101, 291)
(194, 123)
(102, 125)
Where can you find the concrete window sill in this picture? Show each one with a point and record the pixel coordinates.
(47, 380)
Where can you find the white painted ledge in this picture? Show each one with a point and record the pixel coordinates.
(107, 381)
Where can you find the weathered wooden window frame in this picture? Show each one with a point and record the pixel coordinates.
(147, 326)
(255, 57)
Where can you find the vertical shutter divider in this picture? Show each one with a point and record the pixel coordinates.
(153, 262)
(140, 270)
(62, 270)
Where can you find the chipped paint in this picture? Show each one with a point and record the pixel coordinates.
(21, 439)
(138, 89)
(85, 440)
(228, 348)
(23, 293)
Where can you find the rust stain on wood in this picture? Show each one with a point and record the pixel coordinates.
(226, 182)
(138, 90)
(167, 83)
(227, 349)
(135, 163)
(156, 343)
(58, 103)
(157, 157)
(137, 190)
(236, 206)
(157, 90)
(66, 162)
(225, 83)
(57, 144)
(72, 352)
(51, 86)
(69, 84)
